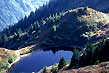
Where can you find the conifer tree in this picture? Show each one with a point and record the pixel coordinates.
(62, 63)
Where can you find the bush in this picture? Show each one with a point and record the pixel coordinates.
(3, 66)
(11, 59)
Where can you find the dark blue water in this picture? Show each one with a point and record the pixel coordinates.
(38, 59)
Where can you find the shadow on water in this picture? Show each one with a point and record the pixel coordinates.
(56, 49)
(40, 58)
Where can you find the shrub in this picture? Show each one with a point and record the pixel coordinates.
(11, 59)
(3, 66)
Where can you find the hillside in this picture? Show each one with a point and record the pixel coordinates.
(94, 59)
(90, 24)
(76, 28)
(54, 27)
(54, 6)
(9, 57)
(100, 68)
(11, 11)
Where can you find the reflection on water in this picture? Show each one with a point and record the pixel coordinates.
(38, 59)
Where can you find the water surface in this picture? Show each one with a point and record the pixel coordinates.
(38, 59)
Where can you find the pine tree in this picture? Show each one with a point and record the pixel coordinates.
(62, 63)
(75, 58)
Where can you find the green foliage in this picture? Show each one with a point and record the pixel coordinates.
(89, 54)
(11, 59)
(93, 54)
(76, 53)
(54, 70)
(62, 63)
(43, 22)
(3, 66)
(26, 30)
(88, 35)
(19, 32)
(97, 62)
(75, 58)
(5, 37)
(55, 27)
(90, 49)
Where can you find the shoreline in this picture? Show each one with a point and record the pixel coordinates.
(18, 59)
(18, 54)
(11, 65)
(48, 67)
(25, 55)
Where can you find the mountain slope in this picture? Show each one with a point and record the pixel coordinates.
(20, 7)
(11, 11)
(56, 6)
(72, 28)
(76, 28)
